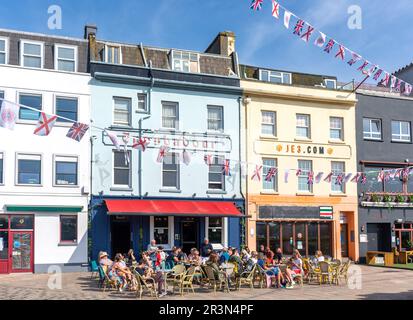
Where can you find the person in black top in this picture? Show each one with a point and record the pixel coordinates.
(279, 255)
(206, 249)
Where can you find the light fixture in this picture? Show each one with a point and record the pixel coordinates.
(363, 228)
(194, 195)
(146, 194)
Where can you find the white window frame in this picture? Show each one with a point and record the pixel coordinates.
(71, 159)
(330, 80)
(219, 162)
(224, 234)
(275, 74)
(275, 179)
(371, 131)
(178, 173)
(22, 55)
(138, 96)
(181, 60)
(221, 109)
(28, 155)
(176, 105)
(308, 126)
(171, 231)
(121, 186)
(56, 56)
(59, 96)
(274, 124)
(341, 129)
(2, 177)
(334, 176)
(117, 124)
(310, 188)
(6, 50)
(400, 135)
(112, 45)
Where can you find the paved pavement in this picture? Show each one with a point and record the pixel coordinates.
(376, 283)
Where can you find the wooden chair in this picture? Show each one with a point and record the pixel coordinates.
(312, 271)
(148, 285)
(175, 276)
(261, 276)
(246, 278)
(187, 280)
(325, 272)
(344, 271)
(105, 280)
(213, 281)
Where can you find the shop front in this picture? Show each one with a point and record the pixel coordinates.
(122, 224)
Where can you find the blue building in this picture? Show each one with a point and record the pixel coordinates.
(175, 177)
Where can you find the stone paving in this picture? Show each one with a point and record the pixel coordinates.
(376, 283)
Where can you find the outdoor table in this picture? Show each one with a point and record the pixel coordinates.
(404, 256)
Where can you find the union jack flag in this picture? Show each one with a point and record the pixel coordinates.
(354, 59)
(339, 179)
(310, 177)
(356, 178)
(385, 80)
(226, 169)
(77, 131)
(257, 173)
(256, 5)
(361, 68)
(299, 27)
(275, 9)
(299, 171)
(363, 178)
(306, 36)
(329, 46)
(378, 74)
(329, 177)
(271, 174)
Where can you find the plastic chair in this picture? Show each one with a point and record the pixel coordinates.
(94, 268)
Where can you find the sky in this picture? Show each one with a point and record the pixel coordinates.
(385, 37)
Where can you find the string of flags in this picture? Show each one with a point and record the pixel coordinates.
(306, 31)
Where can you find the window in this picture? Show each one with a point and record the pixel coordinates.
(305, 166)
(3, 51)
(66, 108)
(267, 164)
(113, 54)
(68, 229)
(1, 169)
(372, 129)
(22, 222)
(268, 123)
(337, 168)
(275, 76)
(31, 54)
(170, 117)
(394, 184)
(215, 228)
(215, 118)
(161, 230)
(330, 83)
(2, 94)
(170, 171)
(33, 101)
(121, 169)
(185, 61)
(303, 126)
(122, 113)
(400, 131)
(336, 128)
(66, 169)
(65, 58)
(142, 102)
(29, 169)
(216, 180)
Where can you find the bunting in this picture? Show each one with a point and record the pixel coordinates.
(275, 9)
(45, 124)
(9, 113)
(256, 176)
(271, 174)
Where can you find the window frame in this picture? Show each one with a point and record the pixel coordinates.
(370, 128)
(142, 94)
(334, 176)
(341, 129)
(178, 172)
(224, 234)
(182, 60)
(264, 174)
(2, 175)
(176, 105)
(112, 46)
(23, 154)
(129, 168)
(32, 94)
(59, 121)
(55, 160)
(6, 50)
(221, 121)
(22, 55)
(308, 127)
(310, 188)
(273, 74)
(67, 242)
(330, 80)
(56, 56)
(216, 160)
(118, 124)
(171, 231)
(274, 124)
(400, 131)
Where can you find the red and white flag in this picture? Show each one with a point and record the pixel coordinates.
(275, 9)
(186, 157)
(287, 18)
(318, 177)
(306, 36)
(321, 40)
(385, 80)
(140, 144)
(380, 177)
(271, 174)
(45, 124)
(162, 153)
(256, 176)
(209, 159)
(407, 89)
(329, 177)
(9, 113)
(364, 65)
(341, 52)
(114, 139)
(354, 58)
(356, 178)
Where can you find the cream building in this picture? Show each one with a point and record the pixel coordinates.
(301, 125)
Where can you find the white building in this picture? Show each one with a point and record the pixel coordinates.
(44, 181)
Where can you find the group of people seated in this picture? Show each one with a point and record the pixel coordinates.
(155, 260)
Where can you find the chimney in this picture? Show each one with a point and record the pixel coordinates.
(223, 44)
(90, 29)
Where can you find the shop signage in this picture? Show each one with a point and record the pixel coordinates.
(303, 149)
(326, 213)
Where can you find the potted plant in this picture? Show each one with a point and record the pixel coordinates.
(410, 245)
(400, 198)
(375, 198)
(387, 198)
(411, 198)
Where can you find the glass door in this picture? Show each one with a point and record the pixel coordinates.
(4, 252)
(22, 251)
(344, 240)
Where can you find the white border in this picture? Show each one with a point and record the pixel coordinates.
(56, 58)
(22, 43)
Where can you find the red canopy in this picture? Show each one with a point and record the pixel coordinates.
(172, 208)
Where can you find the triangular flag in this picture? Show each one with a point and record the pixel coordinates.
(275, 9)
(45, 124)
(114, 139)
(287, 18)
(186, 157)
(9, 114)
(354, 58)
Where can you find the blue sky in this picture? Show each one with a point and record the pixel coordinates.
(385, 38)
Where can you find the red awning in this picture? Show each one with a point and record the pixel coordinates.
(172, 208)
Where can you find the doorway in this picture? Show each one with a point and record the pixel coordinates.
(21, 251)
(120, 236)
(189, 235)
(344, 240)
(379, 237)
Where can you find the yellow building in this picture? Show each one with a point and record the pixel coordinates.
(303, 126)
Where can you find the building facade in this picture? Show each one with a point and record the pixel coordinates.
(384, 146)
(183, 106)
(296, 126)
(44, 181)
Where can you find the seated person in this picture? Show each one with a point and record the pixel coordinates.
(131, 258)
(213, 263)
(172, 259)
(224, 257)
(252, 261)
(181, 255)
(194, 258)
(123, 272)
(104, 260)
(245, 254)
(272, 268)
(147, 273)
(318, 257)
(279, 255)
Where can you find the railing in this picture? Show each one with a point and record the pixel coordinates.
(389, 198)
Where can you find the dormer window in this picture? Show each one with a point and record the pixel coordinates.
(113, 54)
(185, 61)
(65, 58)
(31, 54)
(330, 83)
(275, 76)
(3, 50)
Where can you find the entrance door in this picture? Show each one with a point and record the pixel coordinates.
(21, 258)
(344, 240)
(121, 237)
(189, 235)
(379, 237)
(4, 252)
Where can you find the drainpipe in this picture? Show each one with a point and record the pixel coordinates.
(240, 124)
(92, 139)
